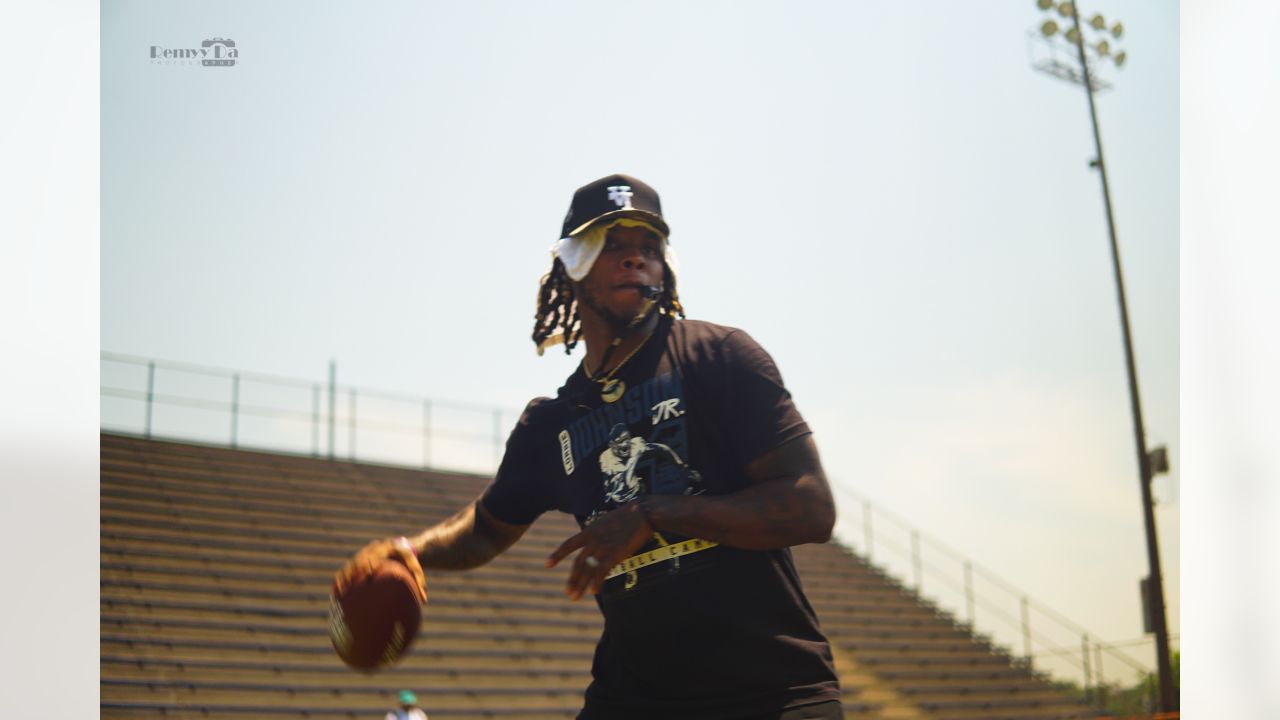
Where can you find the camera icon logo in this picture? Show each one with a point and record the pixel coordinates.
(219, 52)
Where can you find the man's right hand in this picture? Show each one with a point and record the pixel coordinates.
(367, 560)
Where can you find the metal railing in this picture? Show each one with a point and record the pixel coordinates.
(258, 411)
(199, 403)
(989, 606)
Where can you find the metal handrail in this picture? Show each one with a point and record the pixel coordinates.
(204, 369)
(426, 429)
(870, 521)
(332, 414)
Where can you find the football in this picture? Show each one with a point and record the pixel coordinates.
(374, 618)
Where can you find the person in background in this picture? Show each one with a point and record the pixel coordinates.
(408, 709)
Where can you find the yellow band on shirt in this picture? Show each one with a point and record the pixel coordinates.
(667, 552)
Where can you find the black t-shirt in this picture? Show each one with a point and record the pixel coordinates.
(690, 631)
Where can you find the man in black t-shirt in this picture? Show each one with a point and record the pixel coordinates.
(691, 473)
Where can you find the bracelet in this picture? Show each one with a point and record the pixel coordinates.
(405, 543)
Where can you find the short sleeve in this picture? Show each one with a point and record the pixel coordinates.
(759, 413)
(517, 494)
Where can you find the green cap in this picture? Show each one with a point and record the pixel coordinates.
(408, 698)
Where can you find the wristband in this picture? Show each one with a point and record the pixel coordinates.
(404, 543)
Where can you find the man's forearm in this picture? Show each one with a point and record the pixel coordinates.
(766, 516)
(464, 541)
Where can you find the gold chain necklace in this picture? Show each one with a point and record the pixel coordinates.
(611, 388)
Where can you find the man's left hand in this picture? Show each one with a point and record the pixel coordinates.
(612, 538)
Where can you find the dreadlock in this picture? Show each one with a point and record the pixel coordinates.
(557, 309)
(558, 306)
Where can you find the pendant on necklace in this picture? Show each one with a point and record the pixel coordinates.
(612, 390)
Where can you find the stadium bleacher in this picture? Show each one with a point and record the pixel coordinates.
(215, 572)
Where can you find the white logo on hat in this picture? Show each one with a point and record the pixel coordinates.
(621, 196)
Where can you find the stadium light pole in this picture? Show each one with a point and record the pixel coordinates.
(1053, 66)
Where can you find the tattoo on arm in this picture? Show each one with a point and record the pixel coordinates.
(467, 540)
(789, 503)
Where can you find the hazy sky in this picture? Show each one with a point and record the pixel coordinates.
(886, 195)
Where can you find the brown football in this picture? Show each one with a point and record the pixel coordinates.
(374, 618)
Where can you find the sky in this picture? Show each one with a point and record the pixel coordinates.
(886, 195)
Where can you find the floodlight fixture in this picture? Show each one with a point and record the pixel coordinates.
(1066, 9)
(1049, 28)
(1120, 58)
(1097, 22)
(1103, 48)
(1073, 35)
(1117, 30)
(1044, 4)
